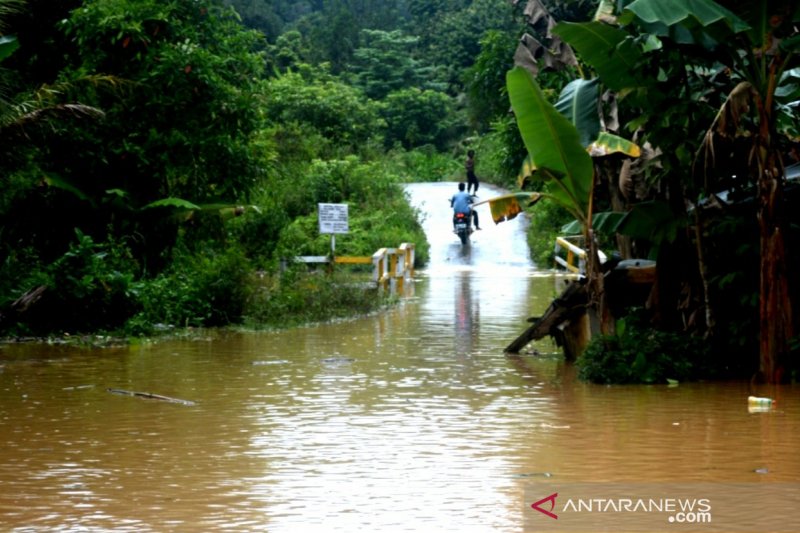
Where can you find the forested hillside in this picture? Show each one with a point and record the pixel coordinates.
(160, 159)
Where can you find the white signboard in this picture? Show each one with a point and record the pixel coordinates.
(333, 218)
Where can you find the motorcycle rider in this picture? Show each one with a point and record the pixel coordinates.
(461, 202)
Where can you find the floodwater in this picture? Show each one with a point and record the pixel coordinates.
(409, 420)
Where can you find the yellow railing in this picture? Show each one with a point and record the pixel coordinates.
(571, 256)
(572, 252)
(391, 267)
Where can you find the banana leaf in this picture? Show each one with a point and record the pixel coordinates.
(173, 202)
(608, 49)
(226, 211)
(508, 206)
(553, 143)
(59, 183)
(605, 223)
(578, 102)
(8, 44)
(653, 221)
(696, 18)
(527, 171)
(607, 144)
(605, 12)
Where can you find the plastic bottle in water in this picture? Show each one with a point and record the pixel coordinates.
(758, 401)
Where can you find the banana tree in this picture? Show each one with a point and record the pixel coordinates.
(563, 163)
(554, 145)
(579, 102)
(757, 53)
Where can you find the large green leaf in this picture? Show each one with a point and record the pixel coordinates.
(607, 49)
(787, 100)
(173, 202)
(605, 223)
(663, 16)
(553, 143)
(60, 183)
(226, 211)
(788, 89)
(578, 102)
(791, 44)
(653, 221)
(8, 44)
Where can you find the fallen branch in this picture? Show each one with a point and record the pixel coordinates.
(22, 304)
(151, 396)
(571, 303)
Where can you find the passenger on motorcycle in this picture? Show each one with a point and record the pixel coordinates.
(461, 202)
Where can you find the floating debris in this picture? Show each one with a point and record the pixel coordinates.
(760, 401)
(151, 396)
(79, 387)
(551, 426)
(756, 404)
(337, 360)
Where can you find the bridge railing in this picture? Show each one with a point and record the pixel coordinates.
(571, 256)
(391, 267)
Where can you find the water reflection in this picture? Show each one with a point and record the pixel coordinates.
(411, 420)
(467, 316)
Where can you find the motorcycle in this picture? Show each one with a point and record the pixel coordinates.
(462, 226)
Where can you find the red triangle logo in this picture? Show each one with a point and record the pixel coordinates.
(552, 500)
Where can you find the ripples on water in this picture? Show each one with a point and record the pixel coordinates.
(412, 420)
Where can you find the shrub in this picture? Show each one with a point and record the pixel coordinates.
(205, 289)
(298, 297)
(546, 220)
(424, 164)
(640, 354)
(379, 215)
(88, 288)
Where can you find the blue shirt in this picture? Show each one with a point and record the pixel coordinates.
(461, 202)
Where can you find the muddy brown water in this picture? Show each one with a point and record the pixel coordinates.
(409, 420)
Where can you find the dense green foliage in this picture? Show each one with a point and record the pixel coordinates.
(180, 156)
(161, 160)
(640, 354)
(708, 94)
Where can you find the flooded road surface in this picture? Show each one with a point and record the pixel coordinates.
(411, 420)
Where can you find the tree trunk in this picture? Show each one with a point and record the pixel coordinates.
(611, 175)
(775, 305)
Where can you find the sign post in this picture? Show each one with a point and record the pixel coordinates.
(333, 219)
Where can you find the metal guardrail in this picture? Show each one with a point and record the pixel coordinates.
(391, 267)
(575, 256)
(573, 253)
